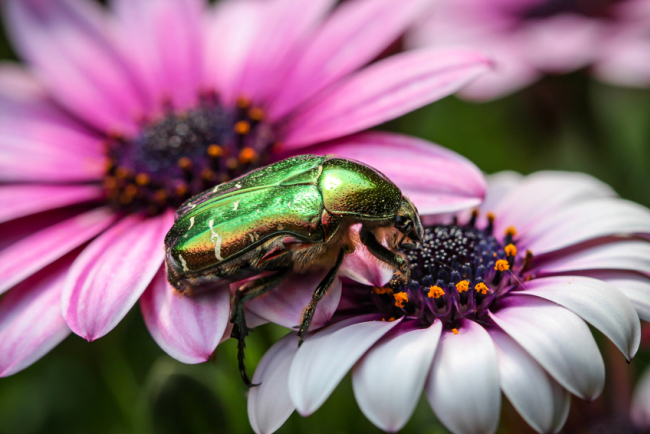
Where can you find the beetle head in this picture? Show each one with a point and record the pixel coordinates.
(408, 222)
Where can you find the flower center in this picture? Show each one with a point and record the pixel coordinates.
(185, 153)
(589, 8)
(456, 272)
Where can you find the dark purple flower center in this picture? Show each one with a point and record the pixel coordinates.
(185, 153)
(588, 8)
(456, 272)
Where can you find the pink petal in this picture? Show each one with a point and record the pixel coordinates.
(585, 221)
(543, 195)
(436, 179)
(558, 340)
(640, 411)
(30, 319)
(383, 91)
(355, 34)
(68, 41)
(630, 255)
(389, 379)
(500, 185)
(111, 274)
(465, 375)
(285, 304)
(598, 303)
(635, 286)
(164, 40)
(269, 404)
(187, 328)
(539, 399)
(30, 254)
(363, 267)
(284, 29)
(21, 200)
(325, 358)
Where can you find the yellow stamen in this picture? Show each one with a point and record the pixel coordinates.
(160, 196)
(142, 179)
(181, 189)
(215, 151)
(122, 172)
(511, 231)
(110, 182)
(185, 163)
(511, 250)
(481, 288)
(400, 299)
(502, 265)
(455, 331)
(208, 175)
(382, 291)
(256, 114)
(490, 217)
(243, 102)
(436, 292)
(232, 163)
(242, 127)
(462, 286)
(247, 155)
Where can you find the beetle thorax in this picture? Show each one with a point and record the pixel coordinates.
(183, 153)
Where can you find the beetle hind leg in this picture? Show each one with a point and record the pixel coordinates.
(320, 291)
(380, 252)
(237, 318)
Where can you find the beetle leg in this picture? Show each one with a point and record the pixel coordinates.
(237, 318)
(320, 291)
(382, 253)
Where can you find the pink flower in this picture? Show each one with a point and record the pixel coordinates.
(530, 38)
(498, 301)
(124, 113)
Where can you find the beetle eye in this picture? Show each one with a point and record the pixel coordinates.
(400, 221)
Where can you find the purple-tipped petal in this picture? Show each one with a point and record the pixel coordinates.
(269, 404)
(384, 91)
(436, 179)
(363, 267)
(545, 194)
(187, 328)
(592, 219)
(30, 319)
(539, 399)
(635, 286)
(164, 40)
(69, 43)
(326, 356)
(500, 185)
(109, 276)
(630, 255)
(285, 304)
(600, 304)
(389, 379)
(25, 257)
(21, 200)
(558, 340)
(465, 375)
(355, 33)
(640, 409)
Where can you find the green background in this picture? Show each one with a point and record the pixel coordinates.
(124, 383)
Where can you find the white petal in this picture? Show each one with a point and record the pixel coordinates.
(558, 339)
(325, 358)
(635, 286)
(463, 387)
(539, 399)
(269, 404)
(388, 381)
(597, 302)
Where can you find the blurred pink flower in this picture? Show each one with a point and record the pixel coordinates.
(122, 114)
(481, 314)
(530, 38)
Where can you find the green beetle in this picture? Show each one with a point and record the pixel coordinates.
(291, 216)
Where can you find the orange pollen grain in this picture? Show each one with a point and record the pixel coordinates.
(122, 172)
(490, 217)
(256, 114)
(455, 331)
(185, 163)
(400, 299)
(502, 265)
(208, 175)
(435, 292)
(110, 182)
(215, 151)
(243, 102)
(232, 163)
(131, 190)
(247, 155)
(160, 196)
(481, 288)
(462, 286)
(382, 291)
(242, 127)
(511, 231)
(511, 250)
(142, 179)
(181, 190)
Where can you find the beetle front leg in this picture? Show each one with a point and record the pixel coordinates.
(380, 252)
(237, 318)
(320, 291)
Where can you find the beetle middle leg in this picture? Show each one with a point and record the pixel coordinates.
(382, 253)
(237, 318)
(320, 291)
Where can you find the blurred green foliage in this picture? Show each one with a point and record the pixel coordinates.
(124, 383)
